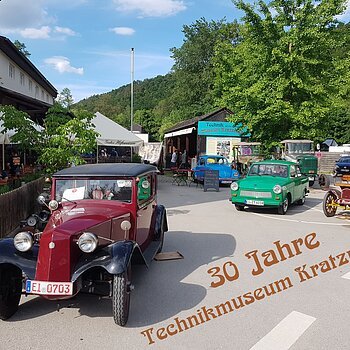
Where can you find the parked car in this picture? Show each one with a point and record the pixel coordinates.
(215, 162)
(342, 166)
(270, 184)
(104, 218)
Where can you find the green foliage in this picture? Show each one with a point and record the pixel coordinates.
(280, 79)
(21, 47)
(65, 98)
(65, 146)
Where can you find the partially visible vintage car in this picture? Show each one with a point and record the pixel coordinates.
(335, 198)
(215, 162)
(270, 184)
(104, 218)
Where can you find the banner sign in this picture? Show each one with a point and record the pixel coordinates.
(218, 129)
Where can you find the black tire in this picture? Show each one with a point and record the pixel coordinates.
(10, 290)
(239, 207)
(301, 201)
(311, 182)
(283, 208)
(329, 209)
(121, 297)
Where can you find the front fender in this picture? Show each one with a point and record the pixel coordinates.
(114, 259)
(24, 261)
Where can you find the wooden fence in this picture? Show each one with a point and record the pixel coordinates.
(18, 204)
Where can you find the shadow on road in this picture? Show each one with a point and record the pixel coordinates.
(160, 292)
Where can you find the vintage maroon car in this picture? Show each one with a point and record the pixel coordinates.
(104, 218)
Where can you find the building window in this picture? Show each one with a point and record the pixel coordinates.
(30, 84)
(36, 91)
(42, 94)
(11, 71)
(47, 97)
(22, 78)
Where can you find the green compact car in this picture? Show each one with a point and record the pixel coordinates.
(270, 184)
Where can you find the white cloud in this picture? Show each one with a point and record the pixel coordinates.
(122, 30)
(65, 31)
(16, 15)
(151, 8)
(62, 64)
(33, 33)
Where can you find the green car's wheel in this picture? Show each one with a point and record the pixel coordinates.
(239, 207)
(301, 201)
(282, 209)
(329, 205)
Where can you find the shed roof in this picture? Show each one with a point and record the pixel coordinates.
(192, 122)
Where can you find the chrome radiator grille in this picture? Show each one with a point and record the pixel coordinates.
(256, 194)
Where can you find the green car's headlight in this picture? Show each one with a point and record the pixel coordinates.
(277, 189)
(234, 186)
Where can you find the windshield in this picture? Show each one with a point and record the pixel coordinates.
(299, 147)
(344, 160)
(268, 169)
(98, 189)
(217, 160)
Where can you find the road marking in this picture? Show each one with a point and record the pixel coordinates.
(300, 221)
(347, 276)
(286, 333)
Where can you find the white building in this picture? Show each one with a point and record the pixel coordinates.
(21, 83)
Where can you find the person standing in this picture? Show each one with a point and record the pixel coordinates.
(173, 159)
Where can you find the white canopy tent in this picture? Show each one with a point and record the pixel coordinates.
(113, 134)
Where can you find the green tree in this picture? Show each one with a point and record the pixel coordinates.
(194, 67)
(21, 48)
(65, 98)
(280, 79)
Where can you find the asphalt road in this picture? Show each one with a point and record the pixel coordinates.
(174, 305)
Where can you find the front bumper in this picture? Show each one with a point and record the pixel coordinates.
(257, 202)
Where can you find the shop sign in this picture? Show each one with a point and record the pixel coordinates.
(217, 129)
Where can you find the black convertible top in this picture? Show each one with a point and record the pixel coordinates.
(107, 169)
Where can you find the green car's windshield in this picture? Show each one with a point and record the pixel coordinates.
(268, 169)
(98, 189)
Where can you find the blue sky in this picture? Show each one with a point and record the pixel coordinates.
(85, 44)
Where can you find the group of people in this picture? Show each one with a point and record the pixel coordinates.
(15, 167)
(113, 154)
(179, 160)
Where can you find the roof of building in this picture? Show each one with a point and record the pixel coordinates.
(192, 122)
(24, 63)
(106, 170)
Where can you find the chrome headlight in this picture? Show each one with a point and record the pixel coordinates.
(53, 205)
(88, 242)
(277, 189)
(23, 241)
(234, 186)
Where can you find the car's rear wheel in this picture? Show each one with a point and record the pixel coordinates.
(329, 205)
(283, 208)
(10, 290)
(311, 182)
(239, 207)
(121, 297)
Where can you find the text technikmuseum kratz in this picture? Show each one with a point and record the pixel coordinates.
(229, 272)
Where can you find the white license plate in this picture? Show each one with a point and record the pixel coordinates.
(252, 202)
(226, 181)
(49, 288)
(345, 169)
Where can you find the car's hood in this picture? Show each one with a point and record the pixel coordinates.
(59, 251)
(262, 182)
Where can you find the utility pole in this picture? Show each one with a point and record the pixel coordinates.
(132, 90)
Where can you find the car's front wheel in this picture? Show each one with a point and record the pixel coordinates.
(239, 207)
(10, 290)
(121, 297)
(282, 209)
